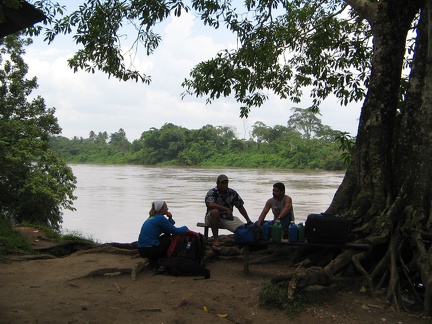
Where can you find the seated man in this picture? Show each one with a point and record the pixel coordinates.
(220, 202)
(281, 206)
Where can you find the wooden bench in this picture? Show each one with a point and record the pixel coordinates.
(246, 250)
(206, 229)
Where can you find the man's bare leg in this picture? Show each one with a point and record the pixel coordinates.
(214, 225)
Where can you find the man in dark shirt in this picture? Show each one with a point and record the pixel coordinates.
(220, 202)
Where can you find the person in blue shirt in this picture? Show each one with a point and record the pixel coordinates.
(155, 235)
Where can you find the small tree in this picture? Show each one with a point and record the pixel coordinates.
(34, 183)
(305, 121)
(119, 140)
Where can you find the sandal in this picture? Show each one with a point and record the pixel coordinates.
(215, 248)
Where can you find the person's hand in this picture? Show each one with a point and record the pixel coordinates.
(249, 222)
(169, 215)
(229, 215)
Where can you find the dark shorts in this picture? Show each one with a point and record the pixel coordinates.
(157, 251)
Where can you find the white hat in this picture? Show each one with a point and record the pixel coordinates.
(158, 204)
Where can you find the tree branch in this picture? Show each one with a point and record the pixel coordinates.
(365, 9)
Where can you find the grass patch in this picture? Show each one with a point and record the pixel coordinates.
(12, 242)
(275, 296)
(49, 232)
(59, 237)
(75, 237)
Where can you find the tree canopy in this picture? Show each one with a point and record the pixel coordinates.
(284, 46)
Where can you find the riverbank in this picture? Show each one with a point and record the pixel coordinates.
(96, 286)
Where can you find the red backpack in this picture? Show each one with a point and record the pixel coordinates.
(185, 255)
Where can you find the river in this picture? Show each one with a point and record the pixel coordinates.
(114, 200)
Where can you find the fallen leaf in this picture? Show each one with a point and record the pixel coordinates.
(205, 309)
(222, 315)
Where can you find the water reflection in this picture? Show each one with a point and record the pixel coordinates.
(113, 201)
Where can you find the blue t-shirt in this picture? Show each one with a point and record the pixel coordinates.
(153, 227)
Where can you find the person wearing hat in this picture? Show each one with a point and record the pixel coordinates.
(151, 244)
(220, 202)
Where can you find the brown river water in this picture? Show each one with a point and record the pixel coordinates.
(114, 200)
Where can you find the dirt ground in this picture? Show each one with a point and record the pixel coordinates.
(71, 290)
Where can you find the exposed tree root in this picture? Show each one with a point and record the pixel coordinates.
(105, 272)
(138, 268)
(108, 248)
(411, 284)
(382, 265)
(30, 257)
(117, 271)
(425, 267)
(393, 293)
(357, 265)
(304, 278)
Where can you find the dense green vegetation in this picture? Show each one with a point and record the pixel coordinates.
(303, 144)
(35, 184)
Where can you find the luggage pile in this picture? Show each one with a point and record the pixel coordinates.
(326, 228)
(273, 231)
(318, 228)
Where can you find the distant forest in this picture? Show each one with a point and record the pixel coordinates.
(303, 144)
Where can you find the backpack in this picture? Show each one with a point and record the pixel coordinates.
(185, 254)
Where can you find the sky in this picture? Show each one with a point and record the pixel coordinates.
(87, 102)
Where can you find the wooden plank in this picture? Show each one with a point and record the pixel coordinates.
(206, 229)
(246, 259)
(348, 245)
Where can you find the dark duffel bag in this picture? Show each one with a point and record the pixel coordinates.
(247, 233)
(326, 228)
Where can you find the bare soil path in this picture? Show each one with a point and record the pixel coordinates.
(60, 290)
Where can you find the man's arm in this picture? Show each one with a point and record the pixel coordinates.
(222, 209)
(287, 207)
(264, 212)
(243, 211)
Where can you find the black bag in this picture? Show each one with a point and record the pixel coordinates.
(185, 254)
(247, 233)
(326, 228)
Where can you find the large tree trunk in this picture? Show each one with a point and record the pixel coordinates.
(386, 192)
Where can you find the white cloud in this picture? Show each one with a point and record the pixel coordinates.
(91, 102)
